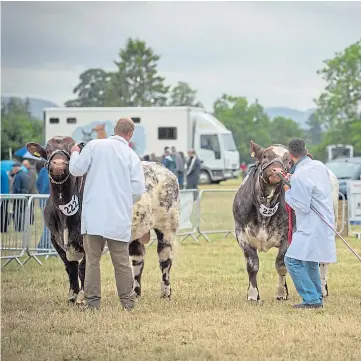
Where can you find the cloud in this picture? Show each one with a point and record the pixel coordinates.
(269, 51)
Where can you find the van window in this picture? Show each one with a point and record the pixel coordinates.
(71, 120)
(136, 120)
(54, 120)
(210, 142)
(167, 133)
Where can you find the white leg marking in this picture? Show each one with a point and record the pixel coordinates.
(323, 273)
(252, 293)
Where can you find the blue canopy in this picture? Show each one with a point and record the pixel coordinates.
(8, 164)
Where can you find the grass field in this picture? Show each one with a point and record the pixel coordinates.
(208, 317)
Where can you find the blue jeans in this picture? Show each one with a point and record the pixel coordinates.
(306, 278)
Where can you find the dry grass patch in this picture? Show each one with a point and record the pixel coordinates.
(208, 317)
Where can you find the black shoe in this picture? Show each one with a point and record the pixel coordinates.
(305, 305)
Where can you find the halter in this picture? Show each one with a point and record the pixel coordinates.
(278, 159)
(56, 151)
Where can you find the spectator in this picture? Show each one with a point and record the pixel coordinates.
(146, 158)
(153, 158)
(5, 189)
(179, 161)
(21, 185)
(193, 170)
(43, 187)
(168, 161)
(32, 174)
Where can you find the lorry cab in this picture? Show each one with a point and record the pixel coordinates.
(216, 148)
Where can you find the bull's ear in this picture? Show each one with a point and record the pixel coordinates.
(36, 150)
(256, 150)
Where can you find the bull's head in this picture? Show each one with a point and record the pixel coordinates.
(274, 157)
(57, 156)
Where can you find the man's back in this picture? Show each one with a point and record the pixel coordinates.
(108, 192)
(316, 172)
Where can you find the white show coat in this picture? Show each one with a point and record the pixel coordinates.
(114, 176)
(313, 240)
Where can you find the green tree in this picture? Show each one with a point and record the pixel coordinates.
(314, 132)
(18, 126)
(137, 76)
(282, 130)
(246, 121)
(183, 95)
(92, 89)
(339, 105)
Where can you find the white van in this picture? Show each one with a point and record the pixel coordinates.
(155, 129)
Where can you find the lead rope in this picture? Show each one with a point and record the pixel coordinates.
(290, 225)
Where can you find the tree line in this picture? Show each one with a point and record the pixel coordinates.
(136, 81)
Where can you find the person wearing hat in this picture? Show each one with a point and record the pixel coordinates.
(21, 185)
(313, 242)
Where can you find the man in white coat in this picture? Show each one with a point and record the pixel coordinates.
(114, 182)
(313, 242)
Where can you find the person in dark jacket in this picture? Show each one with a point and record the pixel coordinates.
(21, 185)
(193, 170)
(4, 203)
(43, 187)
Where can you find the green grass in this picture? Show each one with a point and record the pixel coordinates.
(208, 317)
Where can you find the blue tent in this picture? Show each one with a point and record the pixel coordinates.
(8, 164)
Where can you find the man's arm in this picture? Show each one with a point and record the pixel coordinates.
(80, 162)
(299, 196)
(137, 179)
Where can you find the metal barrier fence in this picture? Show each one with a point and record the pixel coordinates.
(24, 235)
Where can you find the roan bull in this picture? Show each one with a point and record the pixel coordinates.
(261, 219)
(157, 209)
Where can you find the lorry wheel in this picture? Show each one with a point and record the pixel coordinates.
(204, 177)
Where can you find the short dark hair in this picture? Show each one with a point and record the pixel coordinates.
(297, 147)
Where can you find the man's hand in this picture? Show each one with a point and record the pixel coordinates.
(286, 187)
(75, 148)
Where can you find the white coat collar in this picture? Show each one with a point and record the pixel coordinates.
(118, 137)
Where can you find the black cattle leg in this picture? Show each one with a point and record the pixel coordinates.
(164, 249)
(72, 270)
(282, 289)
(136, 255)
(252, 260)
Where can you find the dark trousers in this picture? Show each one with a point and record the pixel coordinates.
(19, 215)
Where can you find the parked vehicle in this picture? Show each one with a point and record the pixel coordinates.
(345, 169)
(155, 128)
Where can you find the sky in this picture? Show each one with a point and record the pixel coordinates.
(269, 51)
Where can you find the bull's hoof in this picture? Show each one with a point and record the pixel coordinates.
(80, 300)
(73, 255)
(252, 299)
(72, 296)
(282, 298)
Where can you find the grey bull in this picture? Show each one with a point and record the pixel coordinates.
(261, 219)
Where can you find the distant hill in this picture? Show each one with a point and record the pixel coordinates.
(36, 105)
(298, 116)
